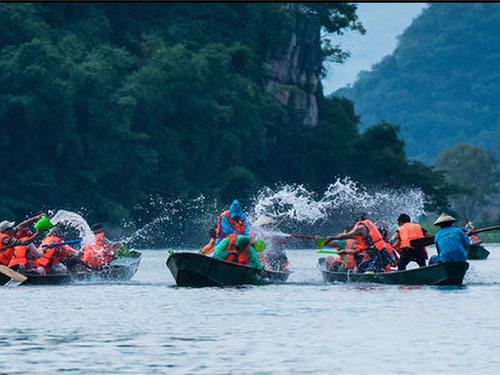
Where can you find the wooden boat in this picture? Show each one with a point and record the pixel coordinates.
(121, 269)
(56, 279)
(437, 274)
(476, 252)
(197, 270)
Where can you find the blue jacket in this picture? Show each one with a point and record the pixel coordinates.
(226, 228)
(452, 245)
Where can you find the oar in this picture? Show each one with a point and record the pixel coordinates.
(16, 278)
(426, 241)
(326, 251)
(54, 244)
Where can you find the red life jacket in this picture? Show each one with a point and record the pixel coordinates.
(19, 254)
(408, 232)
(6, 253)
(243, 257)
(96, 255)
(374, 237)
(238, 227)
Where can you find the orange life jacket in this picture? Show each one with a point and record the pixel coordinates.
(19, 255)
(243, 257)
(97, 255)
(54, 253)
(6, 253)
(408, 232)
(374, 237)
(238, 227)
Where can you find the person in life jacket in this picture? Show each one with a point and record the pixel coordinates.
(468, 226)
(209, 248)
(100, 254)
(232, 221)
(50, 261)
(346, 259)
(237, 249)
(370, 240)
(9, 243)
(406, 232)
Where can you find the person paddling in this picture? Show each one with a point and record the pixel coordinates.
(232, 221)
(370, 240)
(452, 243)
(100, 254)
(236, 248)
(406, 232)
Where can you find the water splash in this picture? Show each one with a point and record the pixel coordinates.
(76, 221)
(338, 206)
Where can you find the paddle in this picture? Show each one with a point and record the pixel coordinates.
(54, 244)
(426, 241)
(326, 251)
(16, 278)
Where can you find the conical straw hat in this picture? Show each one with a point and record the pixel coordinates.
(264, 220)
(444, 219)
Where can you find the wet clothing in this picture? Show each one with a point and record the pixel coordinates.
(97, 255)
(52, 256)
(411, 254)
(377, 262)
(227, 250)
(452, 245)
(375, 246)
(228, 225)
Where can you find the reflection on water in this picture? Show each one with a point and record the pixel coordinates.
(148, 326)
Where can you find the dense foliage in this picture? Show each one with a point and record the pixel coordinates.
(102, 105)
(441, 84)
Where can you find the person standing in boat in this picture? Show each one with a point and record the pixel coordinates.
(370, 240)
(232, 221)
(406, 232)
(237, 249)
(452, 243)
(100, 254)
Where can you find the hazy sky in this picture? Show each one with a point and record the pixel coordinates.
(383, 23)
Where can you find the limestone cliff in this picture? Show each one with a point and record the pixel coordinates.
(291, 73)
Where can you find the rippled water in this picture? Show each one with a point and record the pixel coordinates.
(148, 326)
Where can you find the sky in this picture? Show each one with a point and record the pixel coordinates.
(383, 23)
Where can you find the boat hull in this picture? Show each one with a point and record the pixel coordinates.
(196, 271)
(437, 274)
(121, 269)
(477, 252)
(66, 278)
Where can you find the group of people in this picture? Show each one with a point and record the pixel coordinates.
(38, 252)
(361, 248)
(231, 240)
(365, 248)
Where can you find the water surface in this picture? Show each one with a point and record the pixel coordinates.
(148, 326)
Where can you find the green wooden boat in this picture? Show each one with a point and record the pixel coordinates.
(197, 270)
(477, 252)
(437, 274)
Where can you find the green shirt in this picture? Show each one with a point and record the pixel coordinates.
(221, 253)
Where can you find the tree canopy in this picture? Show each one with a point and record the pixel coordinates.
(103, 105)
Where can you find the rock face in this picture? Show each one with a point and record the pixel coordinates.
(291, 73)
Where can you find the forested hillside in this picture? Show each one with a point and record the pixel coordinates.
(102, 105)
(441, 84)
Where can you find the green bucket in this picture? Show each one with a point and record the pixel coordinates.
(43, 224)
(259, 246)
(320, 242)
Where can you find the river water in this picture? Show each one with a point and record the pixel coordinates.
(148, 326)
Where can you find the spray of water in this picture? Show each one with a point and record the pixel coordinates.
(73, 220)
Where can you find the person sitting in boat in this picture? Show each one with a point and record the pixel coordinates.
(9, 244)
(236, 248)
(452, 243)
(209, 248)
(348, 256)
(232, 221)
(370, 240)
(50, 261)
(406, 232)
(274, 258)
(101, 253)
(468, 226)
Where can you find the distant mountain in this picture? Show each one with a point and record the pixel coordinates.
(441, 84)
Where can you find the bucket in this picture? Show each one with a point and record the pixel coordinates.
(320, 242)
(43, 224)
(259, 246)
